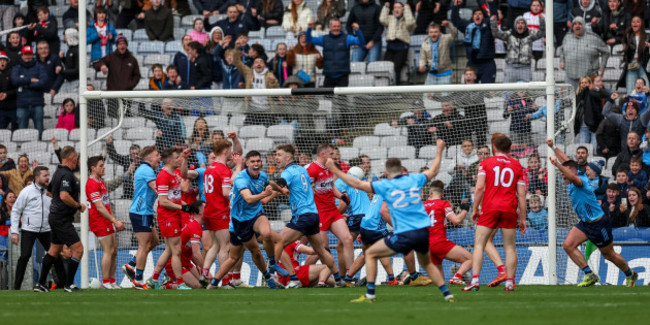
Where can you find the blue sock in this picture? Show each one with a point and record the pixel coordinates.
(139, 274)
(293, 278)
(267, 275)
(391, 277)
(215, 282)
(337, 277)
(587, 270)
(628, 272)
(132, 261)
(444, 290)
(271, 261)
(348, 278)
(371, 289)
(414, 275)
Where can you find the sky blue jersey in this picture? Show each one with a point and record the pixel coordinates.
(299, 184)
(373, 220)
(403, 195)
(359, 200)
(239, 208)
(199, 183)
(144, 196)
(584, 200)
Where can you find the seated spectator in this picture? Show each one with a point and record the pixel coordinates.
(637, 177)
(257, 77)
(200, 67)
(255, 51)
(198, 34)
(270, 12)
(535, 21)
(446, 126)
(398, 26)
(7, 95)
(537, 216)
(12, 48)
(278, 64)
(20, 21)
(622, 181)
(636, 54)
(132, 12)
(479, 42)
(46, 29)
(520, 48)
(589, 11)
(100, 35)
(467, 156)
(17, 177)
(53, 67)
(639, 95)
(6, 163)
(305, 58)
(536, 176)
(597, 182)
(174, 80)
(328, 10)
(217, 40)
(181, 61)
(630, 122)
(365, 17)
(610, 204)
(71, 16)
(297, 17)
(157, 82)
(237, 23)
(171, 128)
(417, 126)
(517, 108)
(31, 79)
(631, 150)
(128, 162)
(611, 26)
(159, 22)
(429, 12)
(634, 213)
(582, 54)
(68, 116)
(70, 59)
(589, 113)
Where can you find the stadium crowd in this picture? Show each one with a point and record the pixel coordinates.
(268, 44)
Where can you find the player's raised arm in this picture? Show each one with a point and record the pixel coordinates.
(435, 166)
(561, 156)
(568, 172)
(250, 198)
(185, 154)
(358, 184)
(456, 219)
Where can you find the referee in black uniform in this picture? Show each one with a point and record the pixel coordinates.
(65, 203)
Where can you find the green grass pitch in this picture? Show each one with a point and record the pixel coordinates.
(612, 305)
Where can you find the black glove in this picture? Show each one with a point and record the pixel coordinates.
(345, 198)
(189, 209)
(464, 206)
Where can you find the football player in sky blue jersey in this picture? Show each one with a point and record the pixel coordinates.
(296, 184)
(594, 224)
(403, 195)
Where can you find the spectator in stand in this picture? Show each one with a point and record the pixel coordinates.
(20, 21)
(364, 16)
(159, 22)
(608, 138)
(562, 19)
(297, 17)
(328, 10)
(537, 216)
(482, 153)
(520, 48)
(435, 55)
(53, 66)
(159, 78)
(31, 79)
(636, 54)
(610, 204)
(255, 51)
(7, 13)
(242, 44)
(17, 177)
(535, 19)
(208, 8)
(100, 35)
(597, 182)
(45, 29)
(215, 47)
(580, 53)
(611, 26)
(630, 122)
(128, 162)
(6, 163)
(171, 128)
(589, 11)
(637, 177)
(132, 11)
(270, 12)
(71, 16)
(174, 80)
(112, 8)
(12, 48)
(236, 24)
(638, 8)
(198, 33)
(305, 58)
(257, 77)
(336, 54)
(336, 156)
(7, 96)
(634, 213)
(181, 61)
(70, 59)
(398, 26)
(122, 70)
(517, 108)
(232, 77)
(516, 9)
(631, 150)
(477, 112)
(96, 111)
(479, 42)
(200, 137)
(622, 181)
(200, 67)
(278, 64)
(589, 111)
(536, 175)
(429, 12)
(447, 125)
(68, 116)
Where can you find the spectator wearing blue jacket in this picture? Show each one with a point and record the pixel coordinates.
(174, 80)
(171, 128)
(479, 42)
(182, 62)
(53, 67)
(209, 8)
(100, 35)
(336, 52)
(561, 19)
(235, 24)
(31, 80)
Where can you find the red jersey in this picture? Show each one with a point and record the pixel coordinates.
(344, 166)
(192, 233)
(170, 185)
(292, 251)
(186, 197)
(216, 177)
(502, 176)
(96, 191)
(323, 186)
(438, 210)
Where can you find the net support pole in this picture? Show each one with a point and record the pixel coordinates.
(550, 132)
(83, 145)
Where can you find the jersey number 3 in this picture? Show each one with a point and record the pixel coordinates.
(503, 178)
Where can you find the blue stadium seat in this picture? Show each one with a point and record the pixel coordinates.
(126, 32)
(156, 47)
(140, 35)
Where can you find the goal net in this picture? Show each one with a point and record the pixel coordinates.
(367, 129)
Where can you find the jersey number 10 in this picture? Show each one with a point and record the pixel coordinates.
(500, 176)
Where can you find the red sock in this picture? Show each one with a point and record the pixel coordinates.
(104, 281)
(226, 279)
(113, 280)
(236, 276)
(156, 276)
(179, 281)
(501, 268)
(458, 276)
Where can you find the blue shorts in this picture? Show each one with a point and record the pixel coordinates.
(407, 241)
(308, 224)
(598, 232)
(354, 223)
(141, 223)
(369, 237)
(243, 230)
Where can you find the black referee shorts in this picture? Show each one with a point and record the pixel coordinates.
(63, 232)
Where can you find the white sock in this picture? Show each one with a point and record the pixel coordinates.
(475, 280)
(509, 283)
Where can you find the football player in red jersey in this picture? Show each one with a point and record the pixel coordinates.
(331, 219)
(315, 275)
(440, 247)
(501, 190)
(101, 220)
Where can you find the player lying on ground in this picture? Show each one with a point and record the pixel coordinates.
(501, 191)
(402, 194)
(594, 224)
(315, 275)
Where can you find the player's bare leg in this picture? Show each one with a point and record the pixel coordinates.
(147, 241)
(219, 248)
(258, 259)
(272, 243)
(325, 256)
(482, 236)
(174, 244)
(108, 259)
(462, 256)
(320, 274)
(234, 255)
(609, 254)
(340, 229)
(495, 257)
(436, 274)
(416, 279)
(206, 242)
(191, 279)
(511, 256)
(574, 239)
